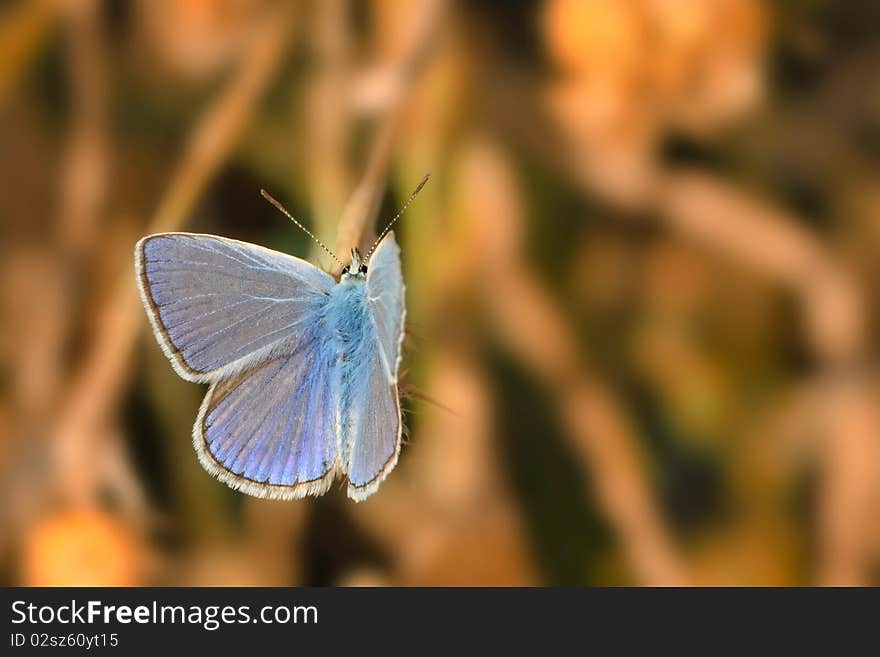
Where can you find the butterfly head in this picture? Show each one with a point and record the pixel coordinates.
(356, 268)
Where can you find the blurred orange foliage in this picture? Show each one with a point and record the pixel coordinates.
(81, 548)
(641, 284)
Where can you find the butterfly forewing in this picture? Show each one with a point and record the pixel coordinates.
(385, 297)
(218, 305)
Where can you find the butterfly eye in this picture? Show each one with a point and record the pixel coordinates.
(363, 269)
(345, 269)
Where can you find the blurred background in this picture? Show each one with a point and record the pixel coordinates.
(641, 284)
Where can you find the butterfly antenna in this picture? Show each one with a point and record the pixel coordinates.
(266, 195)
(397, 216)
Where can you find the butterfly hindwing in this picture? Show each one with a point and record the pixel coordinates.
(218, 305)
(375, 432)
(271, 431)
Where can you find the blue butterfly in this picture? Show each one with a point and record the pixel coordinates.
(303, 368)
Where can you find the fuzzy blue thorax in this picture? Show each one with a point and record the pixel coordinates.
(354, 341)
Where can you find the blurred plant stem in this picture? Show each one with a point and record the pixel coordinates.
(767, 239)
(102, 376)
(718, 216)
(359, 215)
(850, 489)
(528, 322)
(327, 124)
(84, 178)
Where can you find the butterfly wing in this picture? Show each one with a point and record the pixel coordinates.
(270, 431)
(376, 428)
(385, 299)
(218, 306)
(375, 432)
